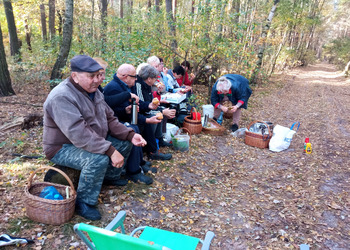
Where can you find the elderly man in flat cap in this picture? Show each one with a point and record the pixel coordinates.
(81, 132)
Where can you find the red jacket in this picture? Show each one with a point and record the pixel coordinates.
(186, 82)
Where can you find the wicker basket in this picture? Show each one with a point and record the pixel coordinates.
(47, 211)
(257, 140)
(193, 126)
(217, 129)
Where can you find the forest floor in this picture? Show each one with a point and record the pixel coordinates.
(250, 198)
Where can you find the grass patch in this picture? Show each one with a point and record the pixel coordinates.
(18, 224)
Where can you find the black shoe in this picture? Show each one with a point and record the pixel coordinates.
(87, 211)
(160, 156)
(234, 127)
(140, 177)
(119, 182)
(163, 143)
(146, 168)
(147, 163)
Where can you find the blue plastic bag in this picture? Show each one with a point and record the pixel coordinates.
(50, 193)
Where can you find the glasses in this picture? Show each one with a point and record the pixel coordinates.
(132, 76)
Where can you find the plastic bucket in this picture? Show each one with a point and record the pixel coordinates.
(208, 110)
(181, 142)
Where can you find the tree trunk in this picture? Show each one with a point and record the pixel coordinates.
(92, 19)
(5, 79)
(43, 22)
(236, 5)
(263, 39)
(346, 70)
(121, 9)
(156, 3)
(104, 23)
(131, 6)
(192, 6)
(52, 19)
(14, 43)
(278, 52)
(171, 24)
(27, 34)
(60, 22)
(66, 42)
(149, 5)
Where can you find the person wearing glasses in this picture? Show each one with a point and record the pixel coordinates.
(135, 162)
(81, 132)
(123, 82)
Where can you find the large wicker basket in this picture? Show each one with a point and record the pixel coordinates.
(193, 126)
(47, 211)
(214, 129)
(258, 140)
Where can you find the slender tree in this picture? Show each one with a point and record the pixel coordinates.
(104, 23)
(263, 38)
(14, 43)
(5, 80)
(60, 22)
(156, 3)
(121, 9)
(43, 22)
(171, 23)
(66, 41)
(27, 34)
(52, 11)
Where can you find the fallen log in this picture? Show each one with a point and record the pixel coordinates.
(26, 122)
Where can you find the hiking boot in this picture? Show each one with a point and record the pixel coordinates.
(140, 177)
(147, 168)
(163, 143)
(87, 211)
(118, 183)
(234, 127)
(160, 156)
(147, 163)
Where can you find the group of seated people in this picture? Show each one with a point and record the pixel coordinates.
(87, 127)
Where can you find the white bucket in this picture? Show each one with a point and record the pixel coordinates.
(170, 131)
(208, 110)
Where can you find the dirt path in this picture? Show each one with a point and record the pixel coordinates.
(250, 198)
(253, 198)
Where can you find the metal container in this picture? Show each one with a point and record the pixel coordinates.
(134, 112)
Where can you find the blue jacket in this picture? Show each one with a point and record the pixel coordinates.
(118, 87)
(240, 90)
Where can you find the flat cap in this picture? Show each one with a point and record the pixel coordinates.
(84, 63)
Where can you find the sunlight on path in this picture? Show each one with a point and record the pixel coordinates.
(322, 73)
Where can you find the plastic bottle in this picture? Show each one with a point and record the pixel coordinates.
(307, 140)
(308, 148)
(221, 117)
(50, 193)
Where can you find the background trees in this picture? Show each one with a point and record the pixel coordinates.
(11, 24)
(226, 35)
(5, 80)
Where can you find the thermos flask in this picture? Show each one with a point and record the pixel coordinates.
(134, 112)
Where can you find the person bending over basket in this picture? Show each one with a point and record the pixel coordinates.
(81, 132)
(230, 94)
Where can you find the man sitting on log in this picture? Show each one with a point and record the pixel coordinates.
(81, 132)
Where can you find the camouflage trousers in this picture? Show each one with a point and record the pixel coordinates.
(94, 167)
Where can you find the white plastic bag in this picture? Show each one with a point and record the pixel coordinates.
(170, 131)
(282, 137)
